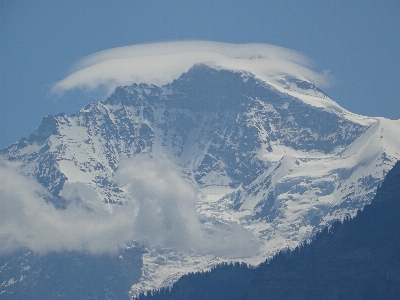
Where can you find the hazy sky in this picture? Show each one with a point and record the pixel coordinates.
(41, 40)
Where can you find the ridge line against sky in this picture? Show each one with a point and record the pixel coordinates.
(41, 40)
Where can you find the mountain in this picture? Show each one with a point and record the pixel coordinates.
(354, 259)
(266, 165)
(72, 275)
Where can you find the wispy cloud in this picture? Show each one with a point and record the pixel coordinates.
(161, 213)
(28, 222)
(167, 212)
(160, 63)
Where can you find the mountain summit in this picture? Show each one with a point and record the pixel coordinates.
(270, 163)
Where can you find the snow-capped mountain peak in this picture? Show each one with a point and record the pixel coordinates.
(214, 154)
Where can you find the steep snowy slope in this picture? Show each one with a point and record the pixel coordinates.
(278, 159)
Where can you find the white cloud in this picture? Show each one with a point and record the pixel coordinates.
(160, 63)
(27, 221)
(167, 211)
(162, 213)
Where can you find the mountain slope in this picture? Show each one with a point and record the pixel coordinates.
(274, 163)
(72, 275)
(356, 259)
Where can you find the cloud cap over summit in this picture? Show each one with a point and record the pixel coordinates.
(160, 63)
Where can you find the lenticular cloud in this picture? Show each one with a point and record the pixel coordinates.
(160, 63)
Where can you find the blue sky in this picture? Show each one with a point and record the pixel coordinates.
(358, 41)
